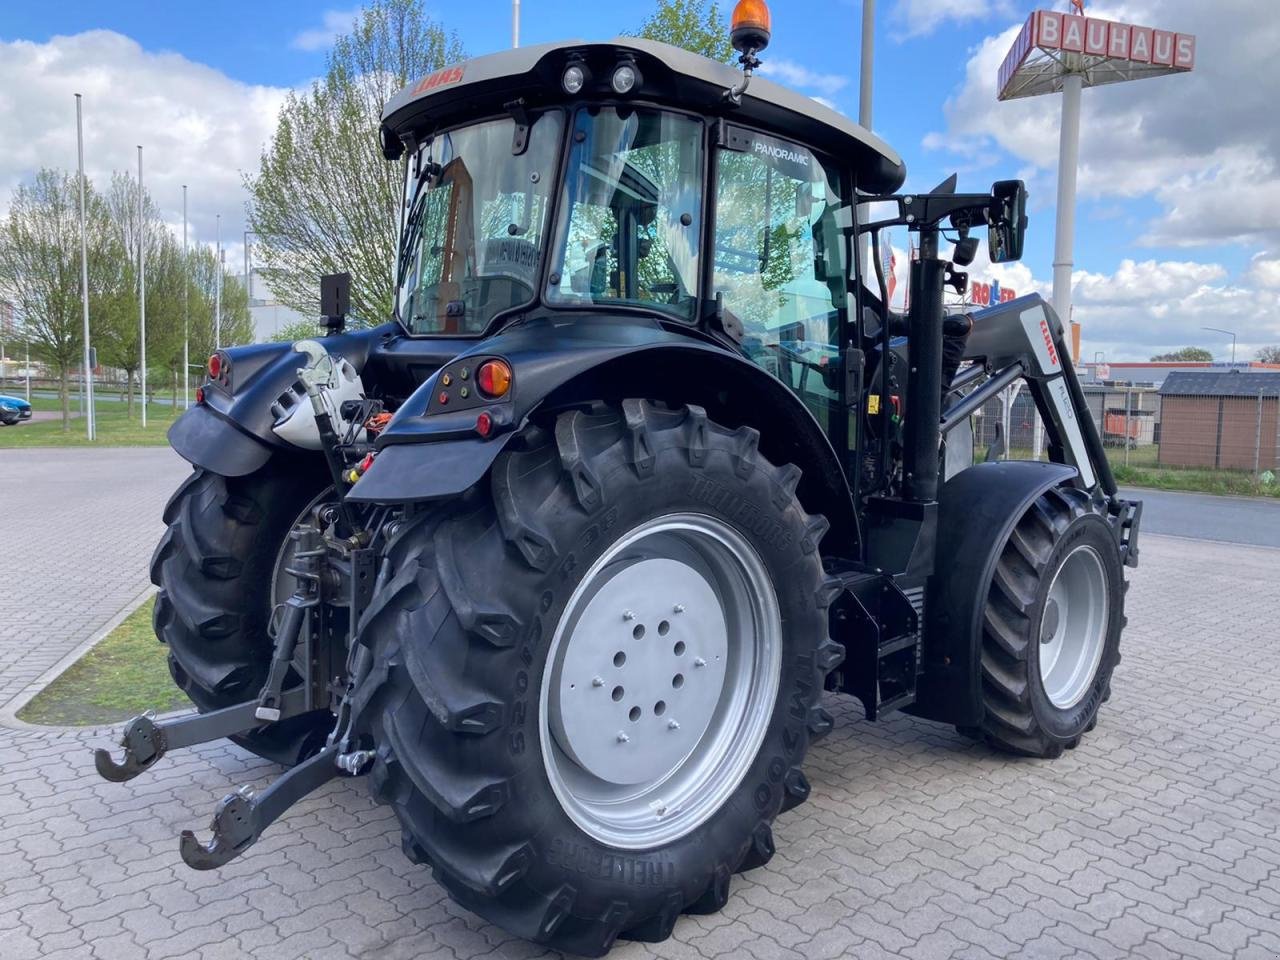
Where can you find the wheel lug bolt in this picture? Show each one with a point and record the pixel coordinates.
(673, 725)
(679, 608)
(622, 737)
(597, 681)
(699, 662)
(628, 615)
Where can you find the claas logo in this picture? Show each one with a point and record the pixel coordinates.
(1048, 342)
(441, 78)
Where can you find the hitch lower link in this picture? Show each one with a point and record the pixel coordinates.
(240, 817)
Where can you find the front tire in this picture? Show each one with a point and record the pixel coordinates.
(217, 570)
(1051, 626)
(517, 803)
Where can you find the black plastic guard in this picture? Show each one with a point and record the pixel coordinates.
(977, 511)
(204, 439)
(408, 473)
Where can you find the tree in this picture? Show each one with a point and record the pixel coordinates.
(237, 324)
(691, 24)
(1269, 354)
(298, 330)
(119, 340)
(1185, 355)
(40, 267)
(324, 199)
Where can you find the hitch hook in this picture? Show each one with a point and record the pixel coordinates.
(143, 743)
(240, 817)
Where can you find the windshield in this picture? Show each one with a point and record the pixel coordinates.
(631, 211)
(477, 215)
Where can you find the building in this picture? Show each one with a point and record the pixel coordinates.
(1154, 372)
(1220, 420)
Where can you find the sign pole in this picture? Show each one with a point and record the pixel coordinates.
(1068, 164)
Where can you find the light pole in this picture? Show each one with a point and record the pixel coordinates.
(1229, 333)
(248, 266)
(217, 283)
(515, 24)
(186, 315)
(142, 292)
(84, 281)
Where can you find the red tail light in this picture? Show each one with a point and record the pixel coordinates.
(215, 366)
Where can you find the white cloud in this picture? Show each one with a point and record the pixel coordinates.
(797, 75)
(916, 18)
(333, 24)
(1193, 143)
(197, 125)
(1264, 272)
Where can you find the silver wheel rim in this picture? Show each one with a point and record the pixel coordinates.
(283, 583)
(1073, 627)
(660, 682)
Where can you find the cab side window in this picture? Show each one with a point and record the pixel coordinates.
(780, 261)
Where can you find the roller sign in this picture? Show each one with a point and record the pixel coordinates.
(1104, 51)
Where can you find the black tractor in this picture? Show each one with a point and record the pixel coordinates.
(563, 558)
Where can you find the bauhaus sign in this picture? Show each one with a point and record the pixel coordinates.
(1124, 51)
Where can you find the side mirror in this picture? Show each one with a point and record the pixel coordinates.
(1007, 221)
(335, 300)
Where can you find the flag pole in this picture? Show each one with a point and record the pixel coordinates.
(87, 377)
(142, 292)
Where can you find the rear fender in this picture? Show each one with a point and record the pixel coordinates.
(977, 511)
(427, 456)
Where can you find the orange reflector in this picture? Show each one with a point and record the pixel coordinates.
(494, 378)
(751, 15)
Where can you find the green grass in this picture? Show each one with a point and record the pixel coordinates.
(1222, 482)
(120, 677)
(115, 427)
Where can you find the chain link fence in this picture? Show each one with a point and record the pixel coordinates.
(1234, 432)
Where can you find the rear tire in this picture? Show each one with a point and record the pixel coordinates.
(215, 567)
(1051, 627)
(464, 630)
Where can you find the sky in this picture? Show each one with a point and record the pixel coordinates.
(1178, 222)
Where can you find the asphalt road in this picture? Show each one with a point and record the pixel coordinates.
(1247, 520)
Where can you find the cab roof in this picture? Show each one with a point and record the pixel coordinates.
(669, 75)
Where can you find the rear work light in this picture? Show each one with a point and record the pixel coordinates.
(494, 378)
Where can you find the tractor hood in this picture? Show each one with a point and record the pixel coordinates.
(668, 75)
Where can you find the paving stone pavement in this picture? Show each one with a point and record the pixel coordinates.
(77, 527)
(1159, 837)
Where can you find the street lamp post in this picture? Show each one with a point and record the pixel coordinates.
(1229, 333)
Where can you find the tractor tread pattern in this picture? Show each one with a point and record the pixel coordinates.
(458, 812)
(1009, 722)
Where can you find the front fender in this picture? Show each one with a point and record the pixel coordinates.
(977, 511)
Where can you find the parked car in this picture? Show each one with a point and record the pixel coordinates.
(13, 409)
